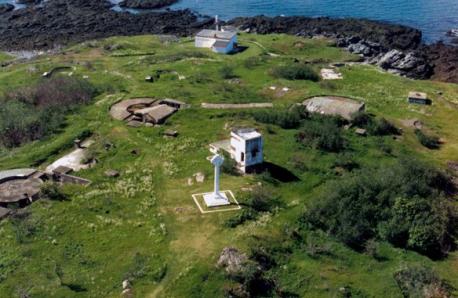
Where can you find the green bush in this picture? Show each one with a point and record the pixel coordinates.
(419, 281)
(285, 118)
(252, 62)
(148, 267)
(227, 72)
(229, 165)
(240, 218)
(295, 72)
(374, 126)
(52, 191)
(430, 142)
(401, 204)
(324, 135)
(32, 113)
(262, 199)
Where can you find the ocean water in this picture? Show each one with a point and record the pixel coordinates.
(433, 17)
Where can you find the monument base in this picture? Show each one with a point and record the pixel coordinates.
(216, 200)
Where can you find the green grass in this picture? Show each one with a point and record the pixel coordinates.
(86, 246)
(4, 57)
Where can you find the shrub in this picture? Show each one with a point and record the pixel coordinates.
(382, 127)
(143, 266)
(295, 72)
(285, 118)
(240, 218)
(419, 281)
(52, 191)
(324, 135)
(376, 127)
(400, 203)
(430, 142)
(24, 227)
(252, 62)
(262, 199)
(32, 113)
(227, 72)
(229, 165)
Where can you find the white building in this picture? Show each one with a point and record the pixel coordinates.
(245, 146)
(219, 41)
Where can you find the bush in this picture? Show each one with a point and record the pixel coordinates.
(239, 219)
(324, 135)
(285, 118)
(262, 199)
(295, 72)
(143, 266)
(401, 204)
(227, 72)
(32, 113)
(252, 62)
(376, 127)
(419, 281)
(53, 192)
(430, 142)
(229, 165)
(382, 127)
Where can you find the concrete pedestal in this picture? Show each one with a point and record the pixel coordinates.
(215, 200)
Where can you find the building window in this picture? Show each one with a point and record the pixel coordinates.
(242, 157)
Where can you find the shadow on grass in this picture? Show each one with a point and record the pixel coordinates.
(276, 172)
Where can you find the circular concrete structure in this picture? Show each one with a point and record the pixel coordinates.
(124, 109)
(14, 191)
(19, 187)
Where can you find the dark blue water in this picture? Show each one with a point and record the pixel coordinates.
(433, 17)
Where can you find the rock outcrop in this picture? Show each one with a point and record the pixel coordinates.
(146, 4)
(232, 260)
(397, 49)
(59, 22)
(6, 7)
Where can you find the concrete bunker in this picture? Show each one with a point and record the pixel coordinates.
(145, 111)
(334, 106)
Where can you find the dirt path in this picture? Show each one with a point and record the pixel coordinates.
(236, 106)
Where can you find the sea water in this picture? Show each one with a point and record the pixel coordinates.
(433, 17)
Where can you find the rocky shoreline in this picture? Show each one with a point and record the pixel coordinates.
(396, 48)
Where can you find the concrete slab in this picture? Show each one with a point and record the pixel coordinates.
(213, 200)
(200, 202)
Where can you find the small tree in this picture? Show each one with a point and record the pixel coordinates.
(430, 142)
(53, 192)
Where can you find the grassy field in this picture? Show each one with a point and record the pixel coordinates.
(144, 224)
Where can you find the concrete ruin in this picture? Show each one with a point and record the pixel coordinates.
(145, 111)
(334, 106)
(19, 187)
(330, 74)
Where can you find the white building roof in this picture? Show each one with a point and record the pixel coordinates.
(247, 133)
(216, 34)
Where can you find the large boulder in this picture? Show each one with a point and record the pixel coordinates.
(232, 260)
(390, 58)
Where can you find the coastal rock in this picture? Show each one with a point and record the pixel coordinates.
(59, 22)
(28, 2)
(6, 7)
(147, 4)
(390, 58)
(444, 59)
